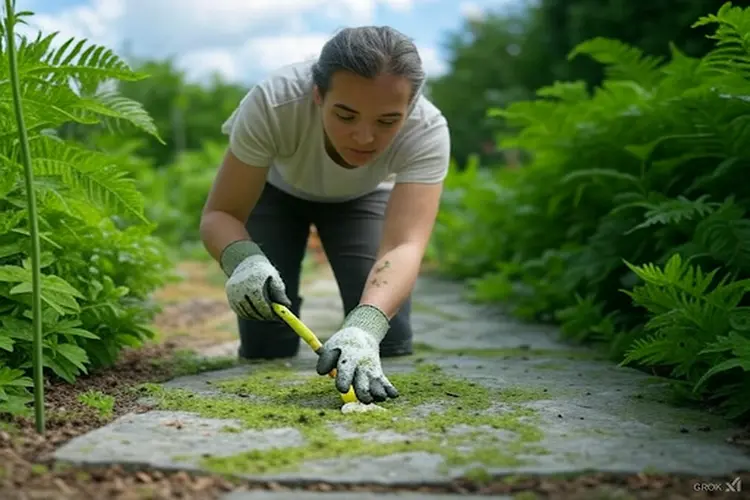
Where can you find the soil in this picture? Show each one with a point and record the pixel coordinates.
(28, 472)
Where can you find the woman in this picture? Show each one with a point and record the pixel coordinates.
(314, 143)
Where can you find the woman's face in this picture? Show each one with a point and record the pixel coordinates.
(361, 116)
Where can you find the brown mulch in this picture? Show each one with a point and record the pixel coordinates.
(28, 472)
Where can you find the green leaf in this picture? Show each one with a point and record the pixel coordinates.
(726, 365)
(6, 343)
(74, 354)
(739, 319)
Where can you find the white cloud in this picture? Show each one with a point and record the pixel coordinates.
(94, 21)
(433, 64)
(471, 10)
(274, 51)
(239, 39)
(199, 65)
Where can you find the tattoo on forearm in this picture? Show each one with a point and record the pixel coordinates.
(385, 265)
(378, 283)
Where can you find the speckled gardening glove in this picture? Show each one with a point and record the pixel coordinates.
(355, 353)
(253, 282)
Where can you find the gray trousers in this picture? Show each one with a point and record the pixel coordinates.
(350, 235)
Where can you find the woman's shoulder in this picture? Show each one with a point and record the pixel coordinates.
(288, 84)
(275, 111)
(425, 127)
(421, 152)
(279, 97)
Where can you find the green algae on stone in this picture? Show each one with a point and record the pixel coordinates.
(426, 308)
(187, 362)
(509, 352)
(425, 417)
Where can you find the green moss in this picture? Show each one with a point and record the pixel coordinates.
(509, 352)
(551, 365)
(525, 495)
(187, 362)
(103, 404)
(479, 475)
(230, 428)
(435, 413)
(422, 307)
(39, 469)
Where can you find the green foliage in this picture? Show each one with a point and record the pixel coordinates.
(509, 53)
(186, 113)
(175, 192)
(104, 404)
(99, 260)
(634, 192)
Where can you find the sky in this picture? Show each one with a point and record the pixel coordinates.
(244, 40)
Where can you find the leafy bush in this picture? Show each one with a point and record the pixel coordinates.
(100, 262)
(629, 227)
(175, 193)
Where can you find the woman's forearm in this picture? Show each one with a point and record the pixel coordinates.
(392, 278)
(218, 229)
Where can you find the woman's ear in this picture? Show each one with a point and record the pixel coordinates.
(316, 95)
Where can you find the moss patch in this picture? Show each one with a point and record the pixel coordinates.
(435, 413)
(422, 307)
(510, 352)
(186, 362)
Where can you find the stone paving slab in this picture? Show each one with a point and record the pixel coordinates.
(347, 495)
(552, 409)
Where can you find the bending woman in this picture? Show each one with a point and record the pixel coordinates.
(347, 143)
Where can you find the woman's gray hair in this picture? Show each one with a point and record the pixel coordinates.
(369, 51)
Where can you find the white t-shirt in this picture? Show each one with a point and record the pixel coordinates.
(278, 125)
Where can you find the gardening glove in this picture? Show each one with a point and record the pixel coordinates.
(254, 283)
(355, 353)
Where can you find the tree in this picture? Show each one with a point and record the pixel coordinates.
(506, 56)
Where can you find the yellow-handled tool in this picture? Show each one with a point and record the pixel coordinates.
(310, 339)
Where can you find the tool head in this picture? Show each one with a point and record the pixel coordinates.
(349, 397)
(310, 339)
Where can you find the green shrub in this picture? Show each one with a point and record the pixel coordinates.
(630, 226)
(175, 193)
(100, 261)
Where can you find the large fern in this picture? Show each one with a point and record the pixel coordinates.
(637, 186)
(97, 269)
(72, 83)
(692, 313)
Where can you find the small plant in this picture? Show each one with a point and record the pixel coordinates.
(103, 403)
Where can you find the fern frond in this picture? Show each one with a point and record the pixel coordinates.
(623, 62)
(565, 91)
(735, 344)
(68, 84)
(102, 183)
(675, 274)
(673, 211)
(87, 63)
(725, 234)
(43, 108)
(654, 349)
(111, 104)
(732, 52)
(60, 105)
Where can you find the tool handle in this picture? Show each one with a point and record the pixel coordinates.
(298, 326)
(301, 329)
(310, 339)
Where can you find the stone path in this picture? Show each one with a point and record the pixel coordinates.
(482, 395)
